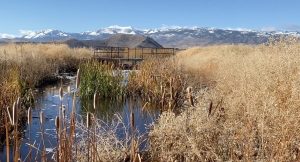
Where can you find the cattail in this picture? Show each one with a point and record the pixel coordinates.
(210, 108)
(14, 114)
(78, 79)
(189, 90)
(96, 96)
(29, 116)
(18, 103)
(190, 96)
(61, 93)
(42, 118)
(69, 89)
(132, 120)
(57, 122)
(63, 111)
(9, 115)
(88, 120)
(171, 88)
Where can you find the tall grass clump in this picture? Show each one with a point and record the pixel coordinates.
(159, 81)
(95, 76)
(105, 144)
(40, 63)
(249, 113)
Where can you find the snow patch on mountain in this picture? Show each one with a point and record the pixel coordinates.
(115, 29)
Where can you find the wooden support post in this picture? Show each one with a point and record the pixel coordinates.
(111, 51)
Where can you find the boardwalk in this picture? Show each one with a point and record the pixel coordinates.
(130, 56)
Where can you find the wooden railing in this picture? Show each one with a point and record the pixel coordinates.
(125, 53)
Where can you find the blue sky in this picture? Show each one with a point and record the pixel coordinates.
(83, 15)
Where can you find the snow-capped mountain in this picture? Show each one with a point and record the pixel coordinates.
(180, 37)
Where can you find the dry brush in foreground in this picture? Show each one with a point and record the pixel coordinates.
(249, 110)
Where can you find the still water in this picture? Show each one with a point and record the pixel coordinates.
(47, 100)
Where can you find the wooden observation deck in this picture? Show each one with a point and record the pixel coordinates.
(130, 56)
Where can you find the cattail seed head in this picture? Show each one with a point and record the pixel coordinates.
(9, 115)
(29, 116)
(190, 96)
(210, 107)
(78, 79)
(189, 90)
(132, 120)
(42, 118)
(57, 122)
(88, 120)
(61, 93)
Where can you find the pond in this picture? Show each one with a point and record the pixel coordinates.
(47, 100)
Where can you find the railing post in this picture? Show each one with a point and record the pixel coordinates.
(127, 53)
(111, 51)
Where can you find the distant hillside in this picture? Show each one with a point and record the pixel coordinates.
(132, 41)
(118, 40)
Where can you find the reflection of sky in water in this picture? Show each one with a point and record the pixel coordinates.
(48, 101)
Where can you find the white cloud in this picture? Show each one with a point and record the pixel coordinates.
(292, 27)
(26, 32)
(269, 29)
(8, 36)
(239, 29)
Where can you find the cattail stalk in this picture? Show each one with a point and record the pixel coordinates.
(58, 137)
(15, 123)
(132, 124)
(42, 121)
(7, 138)
(190, 96)
(14, 114)
(9, 115)
(96, 97)
(78, 79)
(88, 124)
(29, 121)
(72, 127)
(60, 127)
(171, 94)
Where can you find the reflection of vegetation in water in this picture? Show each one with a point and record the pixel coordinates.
(105, 108)
(95, 76)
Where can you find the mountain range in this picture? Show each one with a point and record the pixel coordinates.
(179, 37)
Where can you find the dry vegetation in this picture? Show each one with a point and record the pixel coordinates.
(159, 81)
(248, 110)
(247, 107)
(39, 63)
(26, 66)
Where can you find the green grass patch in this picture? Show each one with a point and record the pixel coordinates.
(95, 76)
